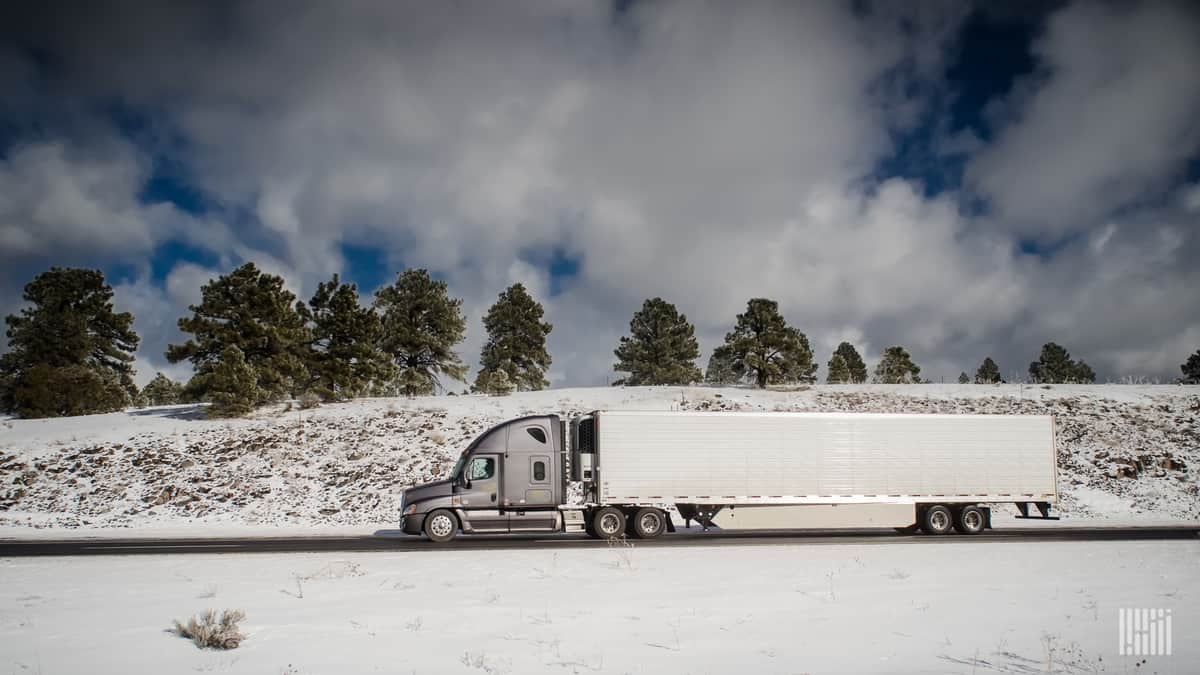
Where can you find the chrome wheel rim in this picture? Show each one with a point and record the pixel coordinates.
(609, 523)
(441, 526)
(650, 523)
(973, 520)
(939, 520)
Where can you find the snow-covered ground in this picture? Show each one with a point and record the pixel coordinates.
(947, 607)
(1126, 452)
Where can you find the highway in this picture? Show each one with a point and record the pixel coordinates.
(396, 542)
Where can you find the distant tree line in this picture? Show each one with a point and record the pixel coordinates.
(251, 342)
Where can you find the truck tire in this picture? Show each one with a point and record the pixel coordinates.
(440, 526)
(609, 523)
(648, 523)
(936, 519)
(970, 520)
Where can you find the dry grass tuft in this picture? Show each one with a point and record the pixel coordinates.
(209, 632)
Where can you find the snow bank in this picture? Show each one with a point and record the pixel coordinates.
(1125, 452)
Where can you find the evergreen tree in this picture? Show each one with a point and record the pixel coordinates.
(854, 362)
(661, 347)
(69, 352)
(252, 312)
(839, 371)
(1055, 366)
(720, 367)
(988, 372)
(516, 341)
(421, 326)
(162, 390)
(766, 349)
(897, 367)
(494, 382)
(1191, 369)
(344, 359)
(963, 379)
(231, 384)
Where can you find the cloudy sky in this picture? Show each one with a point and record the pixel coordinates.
(962, 181)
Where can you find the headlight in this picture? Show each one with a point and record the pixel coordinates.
(409, 510)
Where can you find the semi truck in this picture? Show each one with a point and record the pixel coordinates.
(740, 470)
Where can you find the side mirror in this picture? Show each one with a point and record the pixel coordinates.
(466, 481)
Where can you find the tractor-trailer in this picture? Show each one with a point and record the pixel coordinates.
(740, 470)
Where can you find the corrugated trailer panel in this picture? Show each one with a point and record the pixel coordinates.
(731, 458)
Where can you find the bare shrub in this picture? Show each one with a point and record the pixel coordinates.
(209, 632)
(308, 400)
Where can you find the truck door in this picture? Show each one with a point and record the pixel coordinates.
(483, 499)
(530, 481)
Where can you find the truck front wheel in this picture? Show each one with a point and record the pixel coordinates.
(608, 523)
(648, 523)
(441, 526)
(936, 519)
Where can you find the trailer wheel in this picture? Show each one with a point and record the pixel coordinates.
(970, 520)
(440, 526)
(609, 523)
(936, 519)
(648, 523)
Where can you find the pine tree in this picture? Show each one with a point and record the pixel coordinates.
(1055, 366)
(252, 312)
(162, 390)
(897, 367)
(344, 359)
(231, 384)
(516, 340)
(839, 372)
(661, 347)
(1191, 369)
(988, 372)
(767, 350)
(854, 362)
(494, 382)
(421, 326)
(720, 367)
(69, 352)
(963, 379)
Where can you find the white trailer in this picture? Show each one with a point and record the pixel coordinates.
(741, 470)
(782, 470)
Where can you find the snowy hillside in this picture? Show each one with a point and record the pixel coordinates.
(1124, 451)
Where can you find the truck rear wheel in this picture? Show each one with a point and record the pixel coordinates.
(936, 519)
(970, 520)
(648, 523)
(608, 523)
(440, 526)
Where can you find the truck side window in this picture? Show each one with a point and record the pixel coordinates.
(539, 471)
(482, 468)
(537, 433)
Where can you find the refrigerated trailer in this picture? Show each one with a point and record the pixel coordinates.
(740, 470)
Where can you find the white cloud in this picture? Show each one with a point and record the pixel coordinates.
(705, 153)
(1109, 117)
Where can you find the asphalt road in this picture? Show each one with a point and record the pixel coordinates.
(394, 541)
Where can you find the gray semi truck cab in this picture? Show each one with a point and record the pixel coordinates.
(511, 479)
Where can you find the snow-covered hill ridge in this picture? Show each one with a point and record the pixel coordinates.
(1124, 451)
